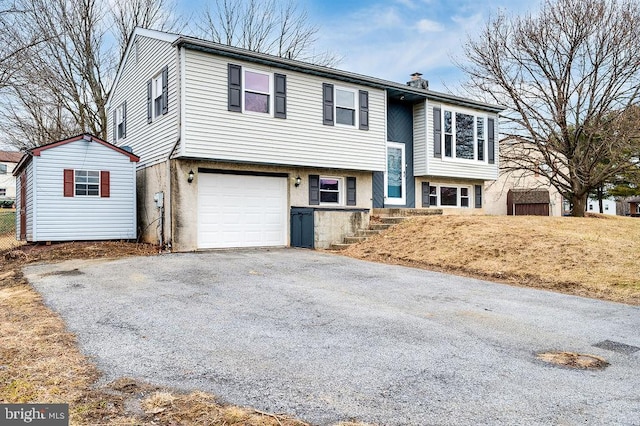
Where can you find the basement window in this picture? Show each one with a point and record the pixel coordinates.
(331, 190)
(449, 196)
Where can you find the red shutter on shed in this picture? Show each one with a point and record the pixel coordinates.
(104, 184)
(68, 183)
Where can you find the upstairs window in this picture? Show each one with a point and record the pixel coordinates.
(257, 91)
(120, 122)
(465, 135)
(3, 192)
(3, 169)
(158, 95)
(345, 107)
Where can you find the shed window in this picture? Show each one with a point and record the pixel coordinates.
(87, 183)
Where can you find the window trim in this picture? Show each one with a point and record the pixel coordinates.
(156, 82)
(271, 93)
(75, 183)
(459, 196)
(340, 191)
(121, 110)
(356, 107)
(485, 140)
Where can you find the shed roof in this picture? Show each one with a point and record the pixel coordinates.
(35, 152)
(530, 196)
(10, 156)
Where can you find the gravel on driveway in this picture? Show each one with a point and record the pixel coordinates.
(328, 338)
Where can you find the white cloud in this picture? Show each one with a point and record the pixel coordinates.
(429, 26)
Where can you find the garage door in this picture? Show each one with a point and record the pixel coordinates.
(241, 211)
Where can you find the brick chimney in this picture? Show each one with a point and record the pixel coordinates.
(417, 81)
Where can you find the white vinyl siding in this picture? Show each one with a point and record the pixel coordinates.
(60, 218)
(420, 139)
(8, 181)
(427, 164)
(152, 142)
(213, 132)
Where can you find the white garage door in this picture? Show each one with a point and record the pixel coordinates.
(241, 211)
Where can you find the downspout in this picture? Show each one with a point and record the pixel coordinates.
(168, 203)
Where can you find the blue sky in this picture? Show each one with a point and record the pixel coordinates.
(394, 38)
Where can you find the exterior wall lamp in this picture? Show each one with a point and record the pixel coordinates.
(191, 175)
(298, 181)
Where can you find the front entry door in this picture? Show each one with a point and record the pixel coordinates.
(395, 177)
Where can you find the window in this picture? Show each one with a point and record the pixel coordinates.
(257, 91)
(345, 107)
(3, 192)
(87, 183)
(464, 135)
(449, 196)
(330, 190)
(120, 121)
(158, 95)
(3, 169)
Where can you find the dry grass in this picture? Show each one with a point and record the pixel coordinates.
(594, 256)
(573, 360)
(40, 361)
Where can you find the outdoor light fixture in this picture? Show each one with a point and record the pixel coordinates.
(298, 180)
(190, 178)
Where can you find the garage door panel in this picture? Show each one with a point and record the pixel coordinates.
(241, 211)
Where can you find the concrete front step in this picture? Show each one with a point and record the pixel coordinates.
(339, 246)
(354, 239)
(379, 226)
(392, 220)
(367, 232)
(398, 212)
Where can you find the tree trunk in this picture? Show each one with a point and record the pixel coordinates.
(579, 205)
(600, 197)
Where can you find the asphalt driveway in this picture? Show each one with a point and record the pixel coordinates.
(328, 338)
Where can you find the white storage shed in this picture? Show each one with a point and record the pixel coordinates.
(81, 188)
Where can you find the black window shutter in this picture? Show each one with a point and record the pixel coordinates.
(425, 194)
(280, 96)
(314, 190)
(115, 126)
(165, 89)
(327, 104)
(235, 88)
(149, 100)
(437, 133)
(351, 191)
(124, 119)
(478, 190)
(364, 110)
(491, 147)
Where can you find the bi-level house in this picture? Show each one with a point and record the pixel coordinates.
(240, 149)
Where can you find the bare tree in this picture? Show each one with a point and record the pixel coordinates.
(56, 84)
(155, 14)
(570, 75)
(267, 26)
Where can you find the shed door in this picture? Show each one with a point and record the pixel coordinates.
(23, 206)
(241, 211)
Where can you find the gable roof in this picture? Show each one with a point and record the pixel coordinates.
(393, 88)
(10, 156)
(37, 151)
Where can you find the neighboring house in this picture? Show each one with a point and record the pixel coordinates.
(608, 206)
(81, 188)
(522, 192)
(242, 149)
(8, 161)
